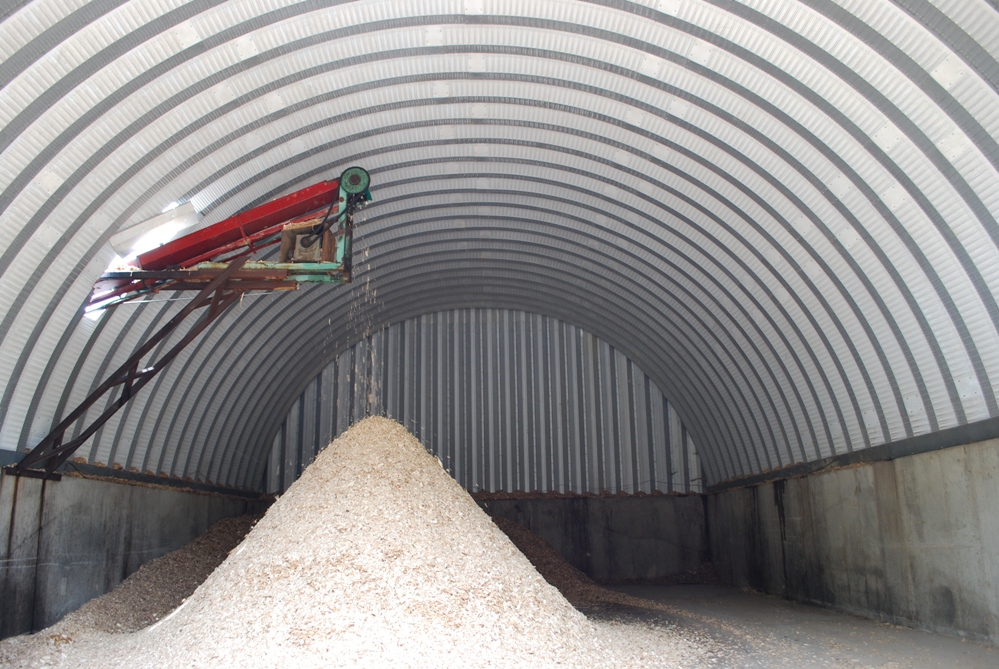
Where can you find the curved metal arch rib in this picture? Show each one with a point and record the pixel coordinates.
(786, 319)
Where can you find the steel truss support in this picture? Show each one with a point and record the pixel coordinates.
(218, 296)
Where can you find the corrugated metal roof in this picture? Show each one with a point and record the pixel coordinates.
(783, 213)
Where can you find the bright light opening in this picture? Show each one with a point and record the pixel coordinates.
(137, 239)
(157, 230)
(156, 237)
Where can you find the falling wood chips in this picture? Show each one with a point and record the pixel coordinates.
(375, 557)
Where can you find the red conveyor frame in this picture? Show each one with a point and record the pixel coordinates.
(224, 234)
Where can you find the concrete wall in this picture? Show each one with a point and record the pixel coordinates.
(912, 541)
(616, 540)
(64, 542)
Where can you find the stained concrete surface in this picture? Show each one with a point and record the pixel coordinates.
(755, 631)
(914, 541)
(65, 542)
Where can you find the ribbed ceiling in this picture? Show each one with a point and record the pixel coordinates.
(784, 212)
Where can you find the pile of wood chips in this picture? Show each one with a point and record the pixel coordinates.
(160, 585)
(375, 557)
(578, 588)
(575, 585)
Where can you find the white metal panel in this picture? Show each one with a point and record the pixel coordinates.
(788, 225)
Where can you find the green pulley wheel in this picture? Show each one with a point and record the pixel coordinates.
(354, 180)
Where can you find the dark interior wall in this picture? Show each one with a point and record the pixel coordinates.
(617, 539)
(65, 542)
(913, 541)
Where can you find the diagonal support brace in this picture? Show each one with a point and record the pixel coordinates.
(218, 296)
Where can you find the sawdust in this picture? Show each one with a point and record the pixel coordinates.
(574, 585)
(159, 586)
(375, 557)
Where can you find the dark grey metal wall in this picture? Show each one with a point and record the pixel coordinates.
(506, 400)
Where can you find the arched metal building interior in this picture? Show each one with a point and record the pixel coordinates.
(743, 251)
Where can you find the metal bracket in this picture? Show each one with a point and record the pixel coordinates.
(12, 470)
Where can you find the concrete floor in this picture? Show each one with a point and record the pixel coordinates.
(761, 632)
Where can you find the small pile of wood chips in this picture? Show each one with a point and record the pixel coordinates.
(160, 585)
(578, 588)
(575, 585)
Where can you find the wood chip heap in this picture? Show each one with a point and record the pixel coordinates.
(578, 588)
(160, 585)
(375, 557)
(581, 591)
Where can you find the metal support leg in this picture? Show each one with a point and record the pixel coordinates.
(218, 296)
